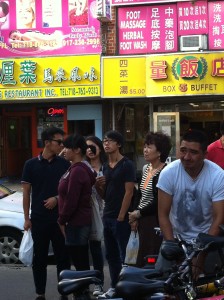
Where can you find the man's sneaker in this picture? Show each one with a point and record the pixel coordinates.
(98, 290)
(108, 295)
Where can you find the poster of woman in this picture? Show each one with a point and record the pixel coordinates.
(4, 15)
(43, 27)
(52, 13)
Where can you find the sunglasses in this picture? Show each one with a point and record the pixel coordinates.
(57, 141)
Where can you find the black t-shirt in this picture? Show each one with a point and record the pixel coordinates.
(116, 177)
(44, 177)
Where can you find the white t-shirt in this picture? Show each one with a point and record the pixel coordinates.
(191, 210)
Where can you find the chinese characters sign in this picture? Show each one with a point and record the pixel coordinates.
(185, 74)
(34, 78)
(216, 29)
(163, 30)
(147, 29)
(47, 27)
(192, 18)
(123, 77)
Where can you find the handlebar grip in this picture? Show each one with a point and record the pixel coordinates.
(170, 279)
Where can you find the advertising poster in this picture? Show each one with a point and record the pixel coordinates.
(48, 27)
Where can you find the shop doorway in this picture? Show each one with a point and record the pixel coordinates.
(16, 144)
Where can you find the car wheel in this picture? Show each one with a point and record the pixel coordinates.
(10, 240)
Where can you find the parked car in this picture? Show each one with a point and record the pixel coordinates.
(11, 224)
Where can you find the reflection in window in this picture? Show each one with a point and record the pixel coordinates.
(12, 133)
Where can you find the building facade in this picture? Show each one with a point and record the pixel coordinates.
(164, 69)
(128, 65)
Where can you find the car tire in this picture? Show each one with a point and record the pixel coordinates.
(10, 240)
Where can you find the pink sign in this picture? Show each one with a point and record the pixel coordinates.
(49, 27)
(134, 2)
(133, 32)
(192, 18)
(216, 28)
(147, 29)
(163, 28)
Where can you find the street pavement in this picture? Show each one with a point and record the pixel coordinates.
(16, 282)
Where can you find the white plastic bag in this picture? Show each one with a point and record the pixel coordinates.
(132, 249)
(26, 249)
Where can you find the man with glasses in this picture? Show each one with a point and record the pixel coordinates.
(40, 180)
(120, 179)
(190, 195)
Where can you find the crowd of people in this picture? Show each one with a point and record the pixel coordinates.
(75, 176)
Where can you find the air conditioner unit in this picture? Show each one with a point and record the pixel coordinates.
(193, 42)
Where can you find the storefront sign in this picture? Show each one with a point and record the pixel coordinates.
(123, 77)
(192, 18)
(185, 74)
(46, 27)
(151, 29)
(216, 28)
(37, 78)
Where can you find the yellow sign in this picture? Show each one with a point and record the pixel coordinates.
(123, 77)
(185, 74)
(52, 77)
(57, 92)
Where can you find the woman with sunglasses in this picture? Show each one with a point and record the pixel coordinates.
(96, 156)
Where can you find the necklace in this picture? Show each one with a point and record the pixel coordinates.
(154, 170)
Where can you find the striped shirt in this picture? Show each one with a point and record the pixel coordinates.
(147, 189)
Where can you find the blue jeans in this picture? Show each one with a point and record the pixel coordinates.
(43, 233)
(116, 236)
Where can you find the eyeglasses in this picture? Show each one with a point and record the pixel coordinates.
(57, 141)
(109, 141)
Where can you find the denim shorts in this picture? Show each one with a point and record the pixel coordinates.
(77, 235)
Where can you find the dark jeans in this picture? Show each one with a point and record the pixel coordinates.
(116, 236)
(97, 256)
(42, 234)
(77, 241)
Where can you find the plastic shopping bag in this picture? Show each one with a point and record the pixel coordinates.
(132, 249)
(26, 249)
(96, 233)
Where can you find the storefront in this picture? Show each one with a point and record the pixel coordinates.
(37, 93)
(164, 92)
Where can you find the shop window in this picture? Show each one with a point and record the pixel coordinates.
(47, 117)
(12, 133)
(83, 127)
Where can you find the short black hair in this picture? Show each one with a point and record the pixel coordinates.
(75, 141)
(5, 7)
(222, 128)
(49, 133)
(197, 136)
(162, 143)
(115, 136)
